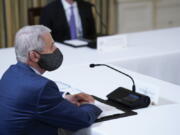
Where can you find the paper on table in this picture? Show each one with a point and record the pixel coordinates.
(76, 42)
(107, 109)
(63, 87)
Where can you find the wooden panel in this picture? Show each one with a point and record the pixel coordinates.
(135, 16)
(168, 13)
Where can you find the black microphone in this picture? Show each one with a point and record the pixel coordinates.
(133, 86)
(130, 99)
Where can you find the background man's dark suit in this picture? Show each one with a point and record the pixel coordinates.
(53, 16)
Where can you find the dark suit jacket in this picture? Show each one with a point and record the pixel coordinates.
(32, 105)
(53, 16)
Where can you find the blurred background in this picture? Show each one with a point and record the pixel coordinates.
(112, 16)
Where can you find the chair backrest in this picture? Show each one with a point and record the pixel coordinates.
(33, 13)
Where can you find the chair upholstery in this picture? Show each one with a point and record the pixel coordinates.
(33, 13)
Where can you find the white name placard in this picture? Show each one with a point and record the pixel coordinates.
(110, 43)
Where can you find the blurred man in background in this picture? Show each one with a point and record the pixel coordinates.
(69, 19)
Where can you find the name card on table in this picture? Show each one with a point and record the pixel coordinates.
(150, 90)
(111, 43)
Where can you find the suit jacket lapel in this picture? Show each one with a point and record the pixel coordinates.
(62, 15)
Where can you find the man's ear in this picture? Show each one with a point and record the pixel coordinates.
(34, 56)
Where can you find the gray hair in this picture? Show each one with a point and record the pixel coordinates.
(27, 39)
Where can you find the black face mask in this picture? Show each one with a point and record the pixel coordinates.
(51, 61)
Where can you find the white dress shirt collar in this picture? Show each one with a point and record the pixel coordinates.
(67, 6)
(36, 71)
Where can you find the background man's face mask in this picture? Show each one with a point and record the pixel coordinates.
(51, 61)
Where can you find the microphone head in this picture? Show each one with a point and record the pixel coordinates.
(92, 65)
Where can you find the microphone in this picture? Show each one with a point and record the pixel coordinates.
(133, 86)
(129, 99)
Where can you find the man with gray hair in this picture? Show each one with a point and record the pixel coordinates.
(31, 104)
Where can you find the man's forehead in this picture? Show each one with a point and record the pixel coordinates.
(46, 35)
(48, 40)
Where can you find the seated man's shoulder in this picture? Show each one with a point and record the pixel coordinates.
(23, 73)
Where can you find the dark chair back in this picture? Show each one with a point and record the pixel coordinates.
(33, 13)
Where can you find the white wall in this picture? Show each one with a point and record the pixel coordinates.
(142, 15)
